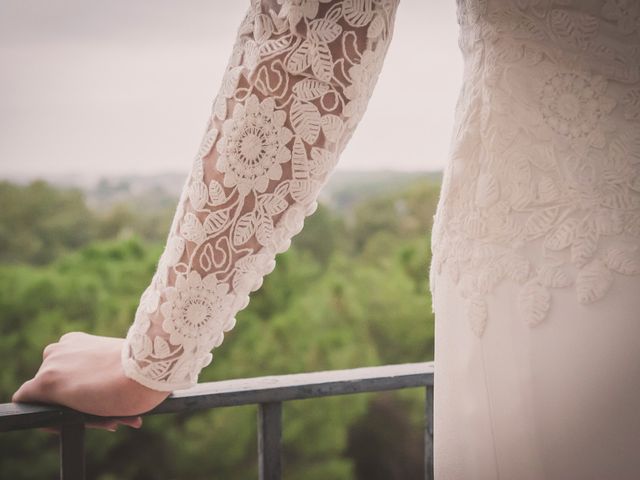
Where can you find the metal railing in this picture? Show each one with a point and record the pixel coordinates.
(267, 392)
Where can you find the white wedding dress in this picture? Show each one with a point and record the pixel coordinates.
(536, 266)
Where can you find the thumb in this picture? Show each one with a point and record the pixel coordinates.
(32, 391)
(25, 393)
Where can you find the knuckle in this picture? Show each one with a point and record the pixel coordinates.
(70, 336)
(49, 349)
(48, 377)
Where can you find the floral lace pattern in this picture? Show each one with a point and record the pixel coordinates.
(543, 183)
(299, 79)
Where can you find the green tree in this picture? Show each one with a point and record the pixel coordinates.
(39, 222)
(352, 291)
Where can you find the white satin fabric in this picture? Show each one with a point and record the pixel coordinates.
(558, 402)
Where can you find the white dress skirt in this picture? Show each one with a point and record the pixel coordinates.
(558, 402)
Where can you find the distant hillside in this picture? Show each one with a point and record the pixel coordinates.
(144, 192)
(348, 187)
(153, 193)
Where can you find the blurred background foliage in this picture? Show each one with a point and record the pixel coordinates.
(352, 291)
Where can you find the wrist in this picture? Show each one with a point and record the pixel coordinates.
(133, 373)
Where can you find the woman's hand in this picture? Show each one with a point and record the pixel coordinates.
(84, 372)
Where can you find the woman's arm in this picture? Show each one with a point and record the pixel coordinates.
(298, 81)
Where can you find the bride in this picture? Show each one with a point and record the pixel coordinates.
(536, 267)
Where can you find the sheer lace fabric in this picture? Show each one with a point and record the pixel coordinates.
(298, 81)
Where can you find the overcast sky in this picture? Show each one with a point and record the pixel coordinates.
(90, 87)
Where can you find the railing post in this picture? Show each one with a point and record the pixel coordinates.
(428, 434)
(269, 439)
(72, 449)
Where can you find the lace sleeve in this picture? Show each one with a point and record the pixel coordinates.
(299, 79)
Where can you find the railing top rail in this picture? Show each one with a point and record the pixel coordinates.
(244, 391)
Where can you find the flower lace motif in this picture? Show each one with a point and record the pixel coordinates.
(253, 146)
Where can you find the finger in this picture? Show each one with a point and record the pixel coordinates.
(72, 335)
(134, 422)
(40, 389)
(113, 423)
(110, 425)
(48, 350)
(26, 392)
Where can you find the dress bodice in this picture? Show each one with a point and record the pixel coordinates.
(542, 187)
